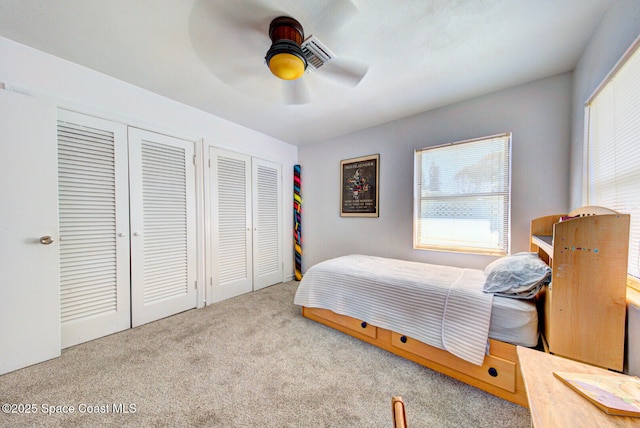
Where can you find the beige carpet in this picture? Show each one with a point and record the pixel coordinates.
(251, 361)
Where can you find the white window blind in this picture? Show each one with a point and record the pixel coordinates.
(613, 147)
(462, 196)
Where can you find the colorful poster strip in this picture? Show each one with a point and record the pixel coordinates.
(297, 227)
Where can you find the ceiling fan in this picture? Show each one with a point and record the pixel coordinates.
(239, 58)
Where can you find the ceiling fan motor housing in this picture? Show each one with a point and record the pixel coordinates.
(285, 57)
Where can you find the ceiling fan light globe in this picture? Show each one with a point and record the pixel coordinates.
(286, 66)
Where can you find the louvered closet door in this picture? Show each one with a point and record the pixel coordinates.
(163, 225)
(267, 223)
(93, 199)
(230, 242)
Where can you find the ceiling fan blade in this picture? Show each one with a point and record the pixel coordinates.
(224, 31)
(246, 16)
(344, 71)
(236, 75)
(334, 16)
(295, 92)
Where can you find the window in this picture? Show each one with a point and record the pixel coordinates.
(613, 147)
(462, 194)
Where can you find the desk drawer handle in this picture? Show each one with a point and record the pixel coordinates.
(363, 324)
(403, 339)
(493, 372)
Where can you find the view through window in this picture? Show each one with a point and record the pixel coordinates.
(462, 196)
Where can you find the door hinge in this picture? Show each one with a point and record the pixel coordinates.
(195, 285)
(194, 159)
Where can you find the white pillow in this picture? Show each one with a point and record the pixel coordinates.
(517, 275)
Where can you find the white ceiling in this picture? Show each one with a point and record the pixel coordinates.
(421, 54)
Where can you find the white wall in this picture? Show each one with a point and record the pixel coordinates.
(617, 31)
(78, 88)
(83, 89)
(538, 115)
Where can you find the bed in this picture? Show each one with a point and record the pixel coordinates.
(465, 323)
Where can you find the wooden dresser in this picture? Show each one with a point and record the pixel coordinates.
(585, 305)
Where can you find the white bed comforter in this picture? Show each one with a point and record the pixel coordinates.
(442, 306)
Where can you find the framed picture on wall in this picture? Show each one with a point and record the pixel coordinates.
(359, 186)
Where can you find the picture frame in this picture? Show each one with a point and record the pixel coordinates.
(359, 186)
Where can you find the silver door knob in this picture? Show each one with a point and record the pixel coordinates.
(46, 240)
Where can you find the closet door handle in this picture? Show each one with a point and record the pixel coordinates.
(46, 240)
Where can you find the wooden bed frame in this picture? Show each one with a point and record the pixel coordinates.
(499, 374)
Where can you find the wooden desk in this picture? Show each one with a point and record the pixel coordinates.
(554, 404)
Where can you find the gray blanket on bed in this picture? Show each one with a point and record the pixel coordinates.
(442, 306)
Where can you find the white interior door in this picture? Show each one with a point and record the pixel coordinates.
(267, 223)
(93, 189)
(163, 225)
(230, 240)
(29, 250)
